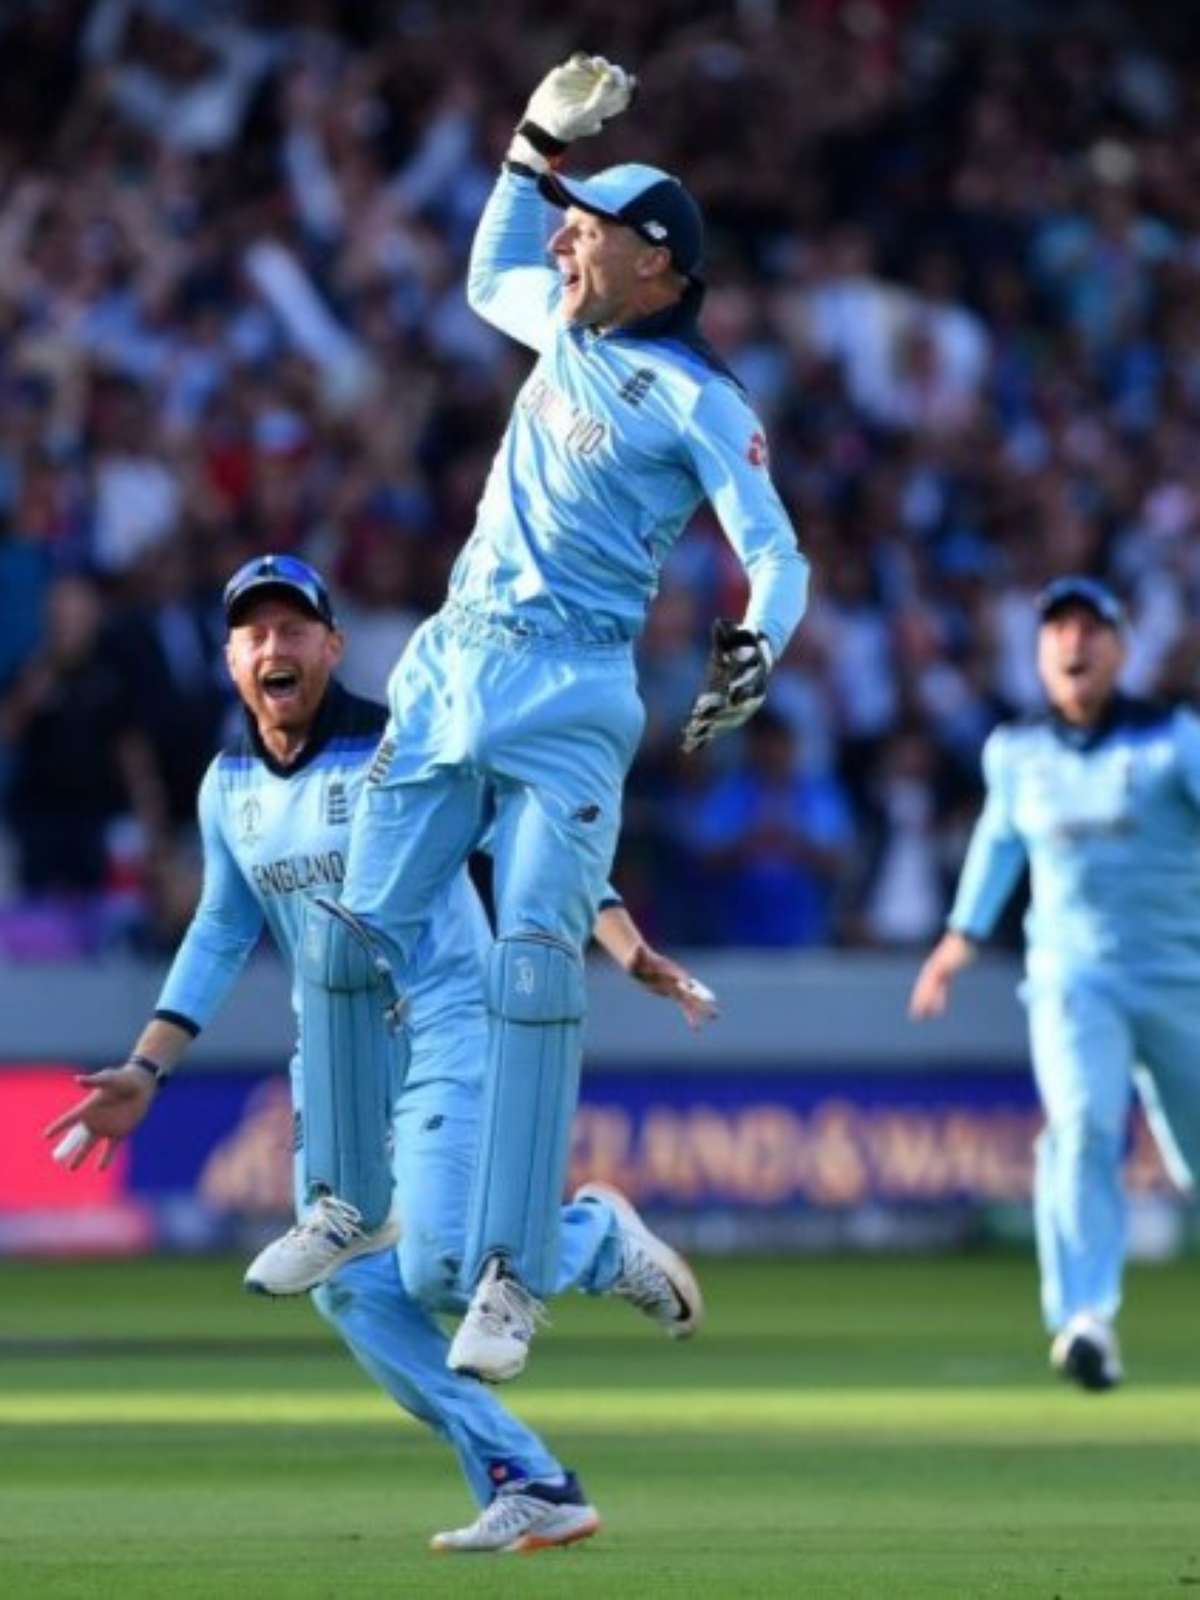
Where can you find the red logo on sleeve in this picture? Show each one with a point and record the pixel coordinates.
(756, 450)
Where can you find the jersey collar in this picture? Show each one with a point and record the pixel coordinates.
(324, 726)
(1120, 710)
(676, 321)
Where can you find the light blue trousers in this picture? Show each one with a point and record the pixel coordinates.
(491, 730)
(530, 739)
(383, 1305)
(1094, 1037)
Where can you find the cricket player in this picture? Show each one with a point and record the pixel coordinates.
(1101, 796)
(516, 708)
(275, 818)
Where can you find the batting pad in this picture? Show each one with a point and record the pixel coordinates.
(352, 1061)
(537, 1001)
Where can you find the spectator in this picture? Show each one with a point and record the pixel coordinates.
(960, 277)
(78, 760)
(774, 842)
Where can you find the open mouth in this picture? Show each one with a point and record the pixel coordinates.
(280, 683)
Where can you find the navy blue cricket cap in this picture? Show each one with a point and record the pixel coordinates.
(1081, 591)
(651, 202)
(284, 575)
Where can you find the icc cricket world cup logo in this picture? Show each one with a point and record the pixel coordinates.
(250, 821)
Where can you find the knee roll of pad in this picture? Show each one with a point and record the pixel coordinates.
(351, 1059)
(536, 995)
(535, 979)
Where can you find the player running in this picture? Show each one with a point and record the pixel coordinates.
(274, 814)
(1101, 796)
(516, 708)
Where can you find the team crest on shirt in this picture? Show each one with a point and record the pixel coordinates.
(634, 390)
(756, 450)
(250, 821)
(337, 804)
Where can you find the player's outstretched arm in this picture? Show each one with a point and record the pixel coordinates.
(931, 992)
(117, 1098)
(223, 931)
(621, 937)
(728, 452)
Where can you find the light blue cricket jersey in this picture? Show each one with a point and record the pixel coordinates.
(274, 835)
(614, 441)
(1109, 821)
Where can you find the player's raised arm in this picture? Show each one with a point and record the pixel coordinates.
(510, 282)
(222, 933)
(993, 864)
(728, 449)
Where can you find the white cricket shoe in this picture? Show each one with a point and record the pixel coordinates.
(493, 1337)
(330, 1235)
(1087, 1353)
(522, 1518)
(653, 1277)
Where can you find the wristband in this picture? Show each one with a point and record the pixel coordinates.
(544, 143)
(158, 1073)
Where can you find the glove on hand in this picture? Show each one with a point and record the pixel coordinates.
(735, 687)
(572, 102)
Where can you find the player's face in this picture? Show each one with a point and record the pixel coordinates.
(1079, 659)
(602, 265)
(280, 658)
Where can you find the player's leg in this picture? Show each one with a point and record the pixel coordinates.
(411, 834)
(528, 1499)
(437, 1126)
(558, 801)
(349, 1016)
(536, 1000)
(1168, 1046)
(605, 1248)
(1082, 1050)
(382, 1307)
(403, 1349)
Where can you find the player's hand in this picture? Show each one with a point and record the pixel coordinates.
(667, 978)
(572, 102)
(931, 992)
(735, 687)
(117, 1100)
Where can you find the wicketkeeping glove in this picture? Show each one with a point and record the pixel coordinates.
(571, 102)
(735, 687)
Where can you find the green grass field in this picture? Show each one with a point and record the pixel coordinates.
(842, 1428)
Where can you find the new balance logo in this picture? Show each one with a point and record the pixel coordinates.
(635, 389)
(382, 761)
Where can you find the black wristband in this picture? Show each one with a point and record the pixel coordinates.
(544, 143)
(159, 1074)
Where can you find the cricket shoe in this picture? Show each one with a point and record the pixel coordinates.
(330, 1235)
(652, 1276)
(522, 1518)
(492, 1342)
(1087, 1353)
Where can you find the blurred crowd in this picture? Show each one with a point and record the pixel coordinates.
(954, 255)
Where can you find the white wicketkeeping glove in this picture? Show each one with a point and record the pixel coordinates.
(735, 687)
(573, 101)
